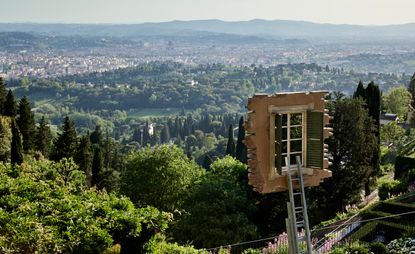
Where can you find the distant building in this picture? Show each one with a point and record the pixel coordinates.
(387, 118)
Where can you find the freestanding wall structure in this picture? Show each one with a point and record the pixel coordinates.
(286, 125)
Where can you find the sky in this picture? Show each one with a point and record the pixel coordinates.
(362, 12)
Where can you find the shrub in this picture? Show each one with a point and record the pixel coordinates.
(402, 245)
(158, 245)
(378, 248)
(390, 187)
(252, 251)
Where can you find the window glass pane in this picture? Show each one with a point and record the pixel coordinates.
(296, 119)
(284, 133)
(293, 160)
(296, 132)
(284, 120)
(296, 146)
(284, 147)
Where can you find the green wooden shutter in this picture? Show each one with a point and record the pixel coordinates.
(315, 139)
(278, 143)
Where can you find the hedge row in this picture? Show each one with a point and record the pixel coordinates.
(389, 230)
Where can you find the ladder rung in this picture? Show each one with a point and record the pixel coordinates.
(298, 208)
(296, 179)
(297, 193)
(299, 211)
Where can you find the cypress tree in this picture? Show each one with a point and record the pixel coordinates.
(411, 89)
(360, 91)
(16, 146)
(43, 138)
(83, 157)
(146, 135)
(207, 161)
(26, 123)
(240, 152)
(2, 96)
(96, 136)
(230, 147)
(137, 135)
(97, 167)
(66, 143)
(10, 105)
(165, 134)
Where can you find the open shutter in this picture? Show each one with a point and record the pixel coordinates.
(278, 143)
(315, 145)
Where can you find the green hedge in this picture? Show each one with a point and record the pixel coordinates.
(391, 231)
(394, 207)
(391, 187)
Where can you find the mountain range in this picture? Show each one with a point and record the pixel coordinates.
(268, 29)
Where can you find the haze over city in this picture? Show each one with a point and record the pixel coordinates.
(366, 12)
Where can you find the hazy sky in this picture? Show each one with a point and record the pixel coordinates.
(373, 12)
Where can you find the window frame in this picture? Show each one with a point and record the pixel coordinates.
(274, 110)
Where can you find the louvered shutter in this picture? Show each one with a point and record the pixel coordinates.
(314, 139)
(278, 143)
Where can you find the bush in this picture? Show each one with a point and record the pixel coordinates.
(252, 251)
(378, 248)
(390, 187)
(158, 245)
(45, 208)
(402, 245)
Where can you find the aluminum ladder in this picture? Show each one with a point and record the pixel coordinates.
(297, 212)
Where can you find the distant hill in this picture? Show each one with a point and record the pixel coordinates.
(270, 29)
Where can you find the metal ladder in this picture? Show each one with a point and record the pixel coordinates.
(297, 211)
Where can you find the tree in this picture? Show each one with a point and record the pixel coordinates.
(16, 146)
(391, 133)
(351, 148)
(97, 167)
(61, 216)
(230, 147)
(83, 157)
(66, 143)
(2, 96)
(372, 98)
(10, 105)
(165, 134)
(397, 101)
(240, 152)
(218, 208)
(26, 123)
(96, 136)
(411, 89)
(43, 138)
(159, 176)
(360, 91)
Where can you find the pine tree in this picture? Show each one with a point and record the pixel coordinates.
(26, 123)
(2, 96)
(16, 146)
(10, 105)
(97, 167)
(240, 152)
(83, 156)
(66, 143)
(230, 147)
(43, 138)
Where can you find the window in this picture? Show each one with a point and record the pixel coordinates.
(296, 131)
(291, 137)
